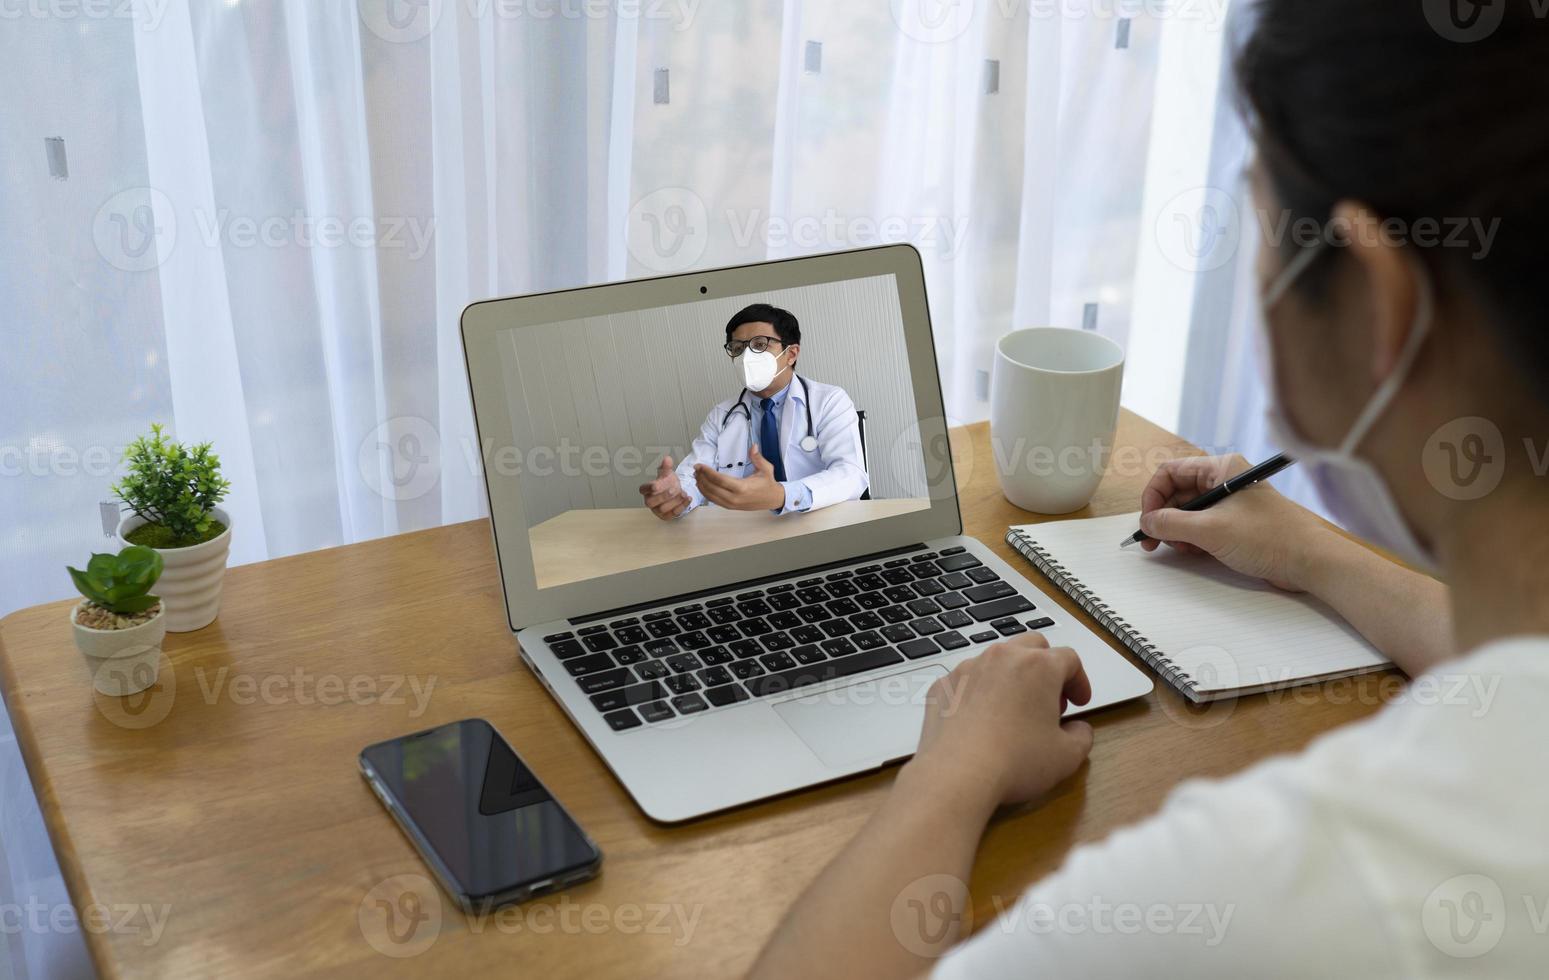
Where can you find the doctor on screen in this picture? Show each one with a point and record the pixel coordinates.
(785, 443)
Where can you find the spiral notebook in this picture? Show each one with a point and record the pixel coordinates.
(1209, 631)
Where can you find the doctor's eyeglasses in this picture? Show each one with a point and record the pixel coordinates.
(734, 348)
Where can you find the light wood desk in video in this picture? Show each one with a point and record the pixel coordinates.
(583, 544)
(231, 797)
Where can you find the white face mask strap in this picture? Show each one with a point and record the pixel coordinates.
(1289, 275)
(1419, 328)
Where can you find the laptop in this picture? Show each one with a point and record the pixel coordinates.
(737, 651)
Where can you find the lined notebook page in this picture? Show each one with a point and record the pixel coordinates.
(1224, 632)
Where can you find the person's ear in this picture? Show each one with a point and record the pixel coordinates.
(1387, 274)
(795, 351)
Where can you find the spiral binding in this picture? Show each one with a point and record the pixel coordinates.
(1101, 611)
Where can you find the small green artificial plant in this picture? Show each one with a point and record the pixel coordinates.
(175, 488)
(121, 583)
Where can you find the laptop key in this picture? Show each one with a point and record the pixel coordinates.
(683, 663)
(726, 694)
(681, 683)
(985, 636)
(951, 640)
(927, 570)
(1009, 627)
(956, 580)
(689, 703)
(565, 649)
(895, 614)
(715, 676)
(716, 655)
(651, 670)
(633, 634)
(691, 607)
(694, 641)
(956, 563)
(900, 593)
(777, 661)
(743, 669)
(660, 648)
(811, 595)
(871, 600)
(837, 627)
(604, 680)
(1009, 606)
(954, 550)
(927, 556)
(952, 600)
(785, 620)
(745, 596)
(621, 721)
(897, 576)
(754, 607)
(774, 590)
(628, 697)
(838, 647)
(915, 649)
(868, 640)
(991, 590)
(806, 634)
(869, 583)
(755, 627)
(895, 563)
(694, 621)
(1042, 623)
(651, 617)
(724, 634)
(784, 601)
(656, 711)
(842, 588)
(662, 627)
(589, 664)
(929, 587)
(722, 615)
(927, 625)
(866, 621)
(898, 633)
(982, 574)
(724, 600)
(820, 673)
(923, 607)
(809, 654)
(556, 637)
(747, 648)
(624, 656)
(843, 607)
(778, 641)
(955, 619)
(589, 630)
(814, 613)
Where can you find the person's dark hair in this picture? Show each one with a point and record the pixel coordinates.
(783, 321)
(1382, 102)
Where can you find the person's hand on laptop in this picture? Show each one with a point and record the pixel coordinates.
(759, 491)
(993, 726)
(665, 494)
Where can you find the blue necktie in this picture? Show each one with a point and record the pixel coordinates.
(769, 439)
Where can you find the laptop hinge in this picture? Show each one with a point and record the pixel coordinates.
(746, 583)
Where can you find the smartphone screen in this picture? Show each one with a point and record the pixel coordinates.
(492, 825)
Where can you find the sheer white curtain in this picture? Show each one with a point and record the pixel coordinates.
(258, 221)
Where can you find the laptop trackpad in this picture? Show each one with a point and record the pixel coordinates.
(869, 722)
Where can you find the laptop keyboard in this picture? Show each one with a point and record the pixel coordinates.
(670, 663)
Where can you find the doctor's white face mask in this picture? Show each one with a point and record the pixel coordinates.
(756, 370)
(1352, 488)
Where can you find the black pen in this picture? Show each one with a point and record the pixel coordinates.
(1210, 498)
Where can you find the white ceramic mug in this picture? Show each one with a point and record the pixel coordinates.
(1054, 405)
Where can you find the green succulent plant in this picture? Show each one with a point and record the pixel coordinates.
(121, 583)
(175, 488)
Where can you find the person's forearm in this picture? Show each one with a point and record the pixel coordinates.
(1402, 613)
(877, 906)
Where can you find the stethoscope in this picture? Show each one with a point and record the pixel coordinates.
(808, 444)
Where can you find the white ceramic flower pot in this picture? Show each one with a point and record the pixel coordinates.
(122, 661)
(190, 583)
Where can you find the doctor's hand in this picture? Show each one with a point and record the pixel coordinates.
(757, 491)
(665, 495)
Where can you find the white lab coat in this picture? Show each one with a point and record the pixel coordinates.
(834, 472)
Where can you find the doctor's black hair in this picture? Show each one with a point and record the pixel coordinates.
(1425, 111)
(783, 321)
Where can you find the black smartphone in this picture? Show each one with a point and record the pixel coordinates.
(490, 832)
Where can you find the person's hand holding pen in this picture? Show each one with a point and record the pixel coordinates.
(1257, 532)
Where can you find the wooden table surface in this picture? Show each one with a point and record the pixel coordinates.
(583, 544)
(229, 803)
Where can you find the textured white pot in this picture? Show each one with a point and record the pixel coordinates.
(190, 583)
(122, 661)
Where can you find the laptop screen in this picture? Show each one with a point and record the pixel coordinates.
(653, 436)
